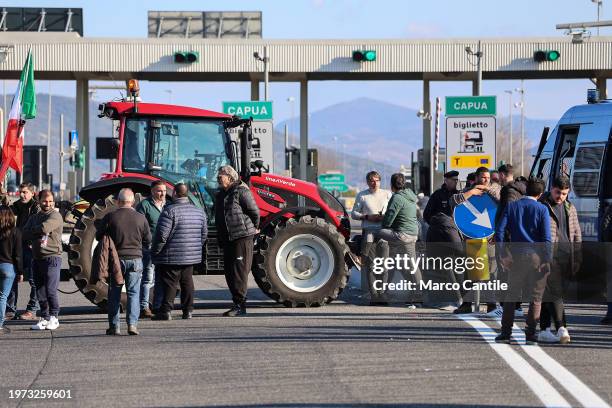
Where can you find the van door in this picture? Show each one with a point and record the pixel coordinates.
(585, 178)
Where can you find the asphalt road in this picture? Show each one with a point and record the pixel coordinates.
(345, 354)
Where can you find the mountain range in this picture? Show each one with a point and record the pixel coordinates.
(353, 136)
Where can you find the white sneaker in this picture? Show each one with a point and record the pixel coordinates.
(496, 313)
(41, 325)
(563, 335)
(53, 323)
(519, 312)
(546, 336)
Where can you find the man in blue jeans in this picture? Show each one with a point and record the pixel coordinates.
(151, 208)
(130, 232)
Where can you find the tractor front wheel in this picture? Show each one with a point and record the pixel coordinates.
(302, 262)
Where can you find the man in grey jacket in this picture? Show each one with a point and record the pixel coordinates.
(177, 246)
(237, 219)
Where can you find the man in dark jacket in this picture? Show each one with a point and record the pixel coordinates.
(23, 209)
(130, 232)
(237, 219)
(528, 224)
(177, 246)
(438, 213)
(151, 208)
(566, 236)
(44, 230)
(511, 191)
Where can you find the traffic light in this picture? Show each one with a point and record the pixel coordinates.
(364, 55)
(546, 55)
(186, 57)
(79, 158)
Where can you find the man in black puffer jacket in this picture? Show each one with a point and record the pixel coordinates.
(237, 218)
(177, 246)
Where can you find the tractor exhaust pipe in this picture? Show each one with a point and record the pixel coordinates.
(245, 137)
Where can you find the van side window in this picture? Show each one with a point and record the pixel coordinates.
(567, 150)
(587, 168)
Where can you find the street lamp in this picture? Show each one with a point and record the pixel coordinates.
(521, 105)
(509, 92)
(599, 7)
(478, 54)
(265, 59)
(169, 92)
(291, 101)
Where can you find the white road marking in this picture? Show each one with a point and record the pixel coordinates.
(539, 385)
(579, 390)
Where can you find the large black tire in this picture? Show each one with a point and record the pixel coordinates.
(327, 282)
(81, 249)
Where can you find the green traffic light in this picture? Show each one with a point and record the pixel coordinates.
(370, 55)
(553, 55)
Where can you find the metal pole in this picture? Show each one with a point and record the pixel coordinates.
(61, 156)
(49, 131)
(522, 128)
(510, 122)
(40, 168)
(304, 129)
(266, 73)
(479, 68)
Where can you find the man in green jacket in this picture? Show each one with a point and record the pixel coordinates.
(400, 221)
(151, 208)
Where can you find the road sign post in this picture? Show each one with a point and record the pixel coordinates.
(258, 110)
(475, 218)
(333, 182)
(470, 133)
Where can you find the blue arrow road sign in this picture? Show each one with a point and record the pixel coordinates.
(475, 218)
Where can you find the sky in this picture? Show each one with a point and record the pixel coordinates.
(343, 19)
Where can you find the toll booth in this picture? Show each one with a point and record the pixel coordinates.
(292, 164)
(35, 165)
(420, 172)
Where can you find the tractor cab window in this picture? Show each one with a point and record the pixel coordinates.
(191, 151)
(135, 145)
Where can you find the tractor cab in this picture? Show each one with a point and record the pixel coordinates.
(171, 143)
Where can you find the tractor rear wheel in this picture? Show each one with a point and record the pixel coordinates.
(82, 244)
(300, 263)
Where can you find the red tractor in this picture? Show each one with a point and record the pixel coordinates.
(302, 257)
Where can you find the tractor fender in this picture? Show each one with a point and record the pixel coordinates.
(103, 188)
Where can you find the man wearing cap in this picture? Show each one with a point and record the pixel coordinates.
(439, 200)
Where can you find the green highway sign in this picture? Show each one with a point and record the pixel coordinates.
(333, 178)
(471, 106)
(258, 110)
(340, 187)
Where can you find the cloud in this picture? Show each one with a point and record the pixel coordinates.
(318, 3)
(423, 30)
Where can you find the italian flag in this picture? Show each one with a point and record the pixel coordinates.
(22, 108)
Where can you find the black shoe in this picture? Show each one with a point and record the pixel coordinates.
(503, 338)
(236, 310)
(465, 308)
(132, 330)
(4, 330)
(531, 337)
(161, 316)
(187, 315)
(607, 320)
(113, 331)
(491, 307)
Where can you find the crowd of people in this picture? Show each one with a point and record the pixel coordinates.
(155, 245)
(540, 227)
